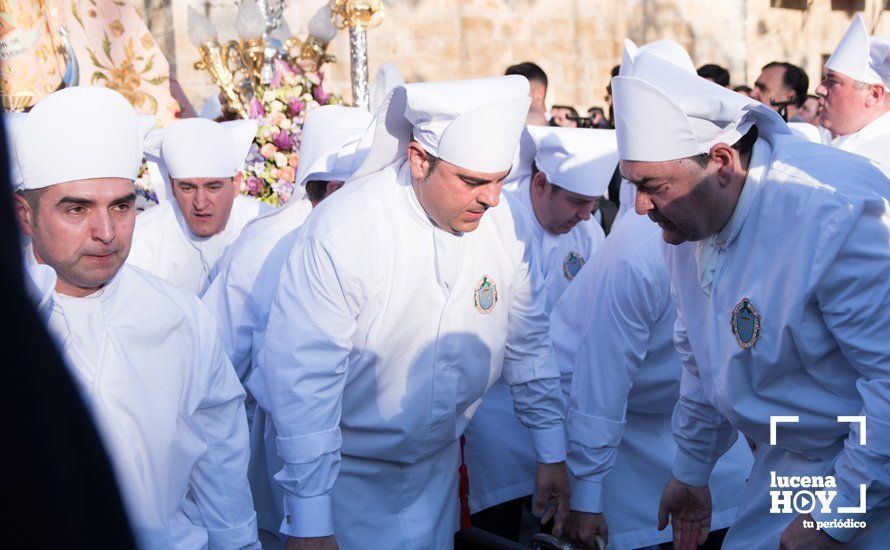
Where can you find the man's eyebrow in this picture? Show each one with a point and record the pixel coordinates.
(131, 197)
(76, 201)
(641, 182)
(472, 180)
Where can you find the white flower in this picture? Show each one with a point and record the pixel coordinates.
(280, 159)
(276, 106)
(285, 124)
(313, 78)
(264, 133)
(268, 96)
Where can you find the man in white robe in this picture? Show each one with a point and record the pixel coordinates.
(613, 332)
(146, 355)
(854, 97)
(775, 250)
(241, 295)
(571, 170)
(403, 300)
(182, 240)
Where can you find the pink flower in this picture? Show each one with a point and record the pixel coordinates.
(287, 174)
(254, 185)
(320, 96)
(282, 69)
(282, 140)
(268, 150)
(256, 108)
(293, 160)
(295, 107)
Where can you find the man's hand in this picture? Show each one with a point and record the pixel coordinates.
(312, 543)
(552, 485)
(690, 511)
(796, 536)
(582, 529)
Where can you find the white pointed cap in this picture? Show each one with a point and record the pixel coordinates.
(664, 113)
(78, 133)
(473, 124)
(329, 147)
(581, 160)
(201, 148)
(388, 77)
(12, 124)
(667, 49)
(862, 57)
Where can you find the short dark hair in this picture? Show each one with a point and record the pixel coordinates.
(571, 109)
(744, 146)
(316, 190)
(794, 78)
(529, 70)
(32, 197)
(743, 89)
(553, 187)
(714, 72)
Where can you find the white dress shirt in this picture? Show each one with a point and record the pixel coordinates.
(164, 245)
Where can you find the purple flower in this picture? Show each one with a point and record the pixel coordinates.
(283, 141)
(254, 185)
(320, 96)
(256, 108)
(295, 107)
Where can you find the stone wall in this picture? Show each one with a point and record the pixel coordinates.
(576, 41)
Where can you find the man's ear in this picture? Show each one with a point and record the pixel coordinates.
(236, 181)
(540, 184)
(417, 161)
(877, 94)
(24, 214)
(727, 160)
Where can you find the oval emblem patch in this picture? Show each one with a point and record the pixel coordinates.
(745, 323)
(486, 295)
(572, 265)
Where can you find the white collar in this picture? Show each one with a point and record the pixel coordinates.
(874, 129)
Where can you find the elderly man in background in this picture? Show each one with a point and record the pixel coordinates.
(854, 98)
(182, 240)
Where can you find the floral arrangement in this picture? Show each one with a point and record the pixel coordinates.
(280, 109)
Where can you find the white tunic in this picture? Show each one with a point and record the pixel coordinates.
(240, 297)
(872, 141)
(384, 334)
(810, 250)
(613, 329)
(499, 456)
(164, 246)
(168, 406)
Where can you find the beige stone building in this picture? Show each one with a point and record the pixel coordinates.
(576, 41)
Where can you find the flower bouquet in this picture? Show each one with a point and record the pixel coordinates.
(280, 109)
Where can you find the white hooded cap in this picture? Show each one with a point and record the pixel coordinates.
(862, 57)
(78, 133)
(388, 77)
(474, 124)
(665, 48)
(580, 160)
(201, 148)
(330, 147)
(665, 113)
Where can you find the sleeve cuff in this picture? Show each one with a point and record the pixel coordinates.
(549, 444)
(308, 516)
(587, 496)
(834, 524)
(242, 536)
(690, 471)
